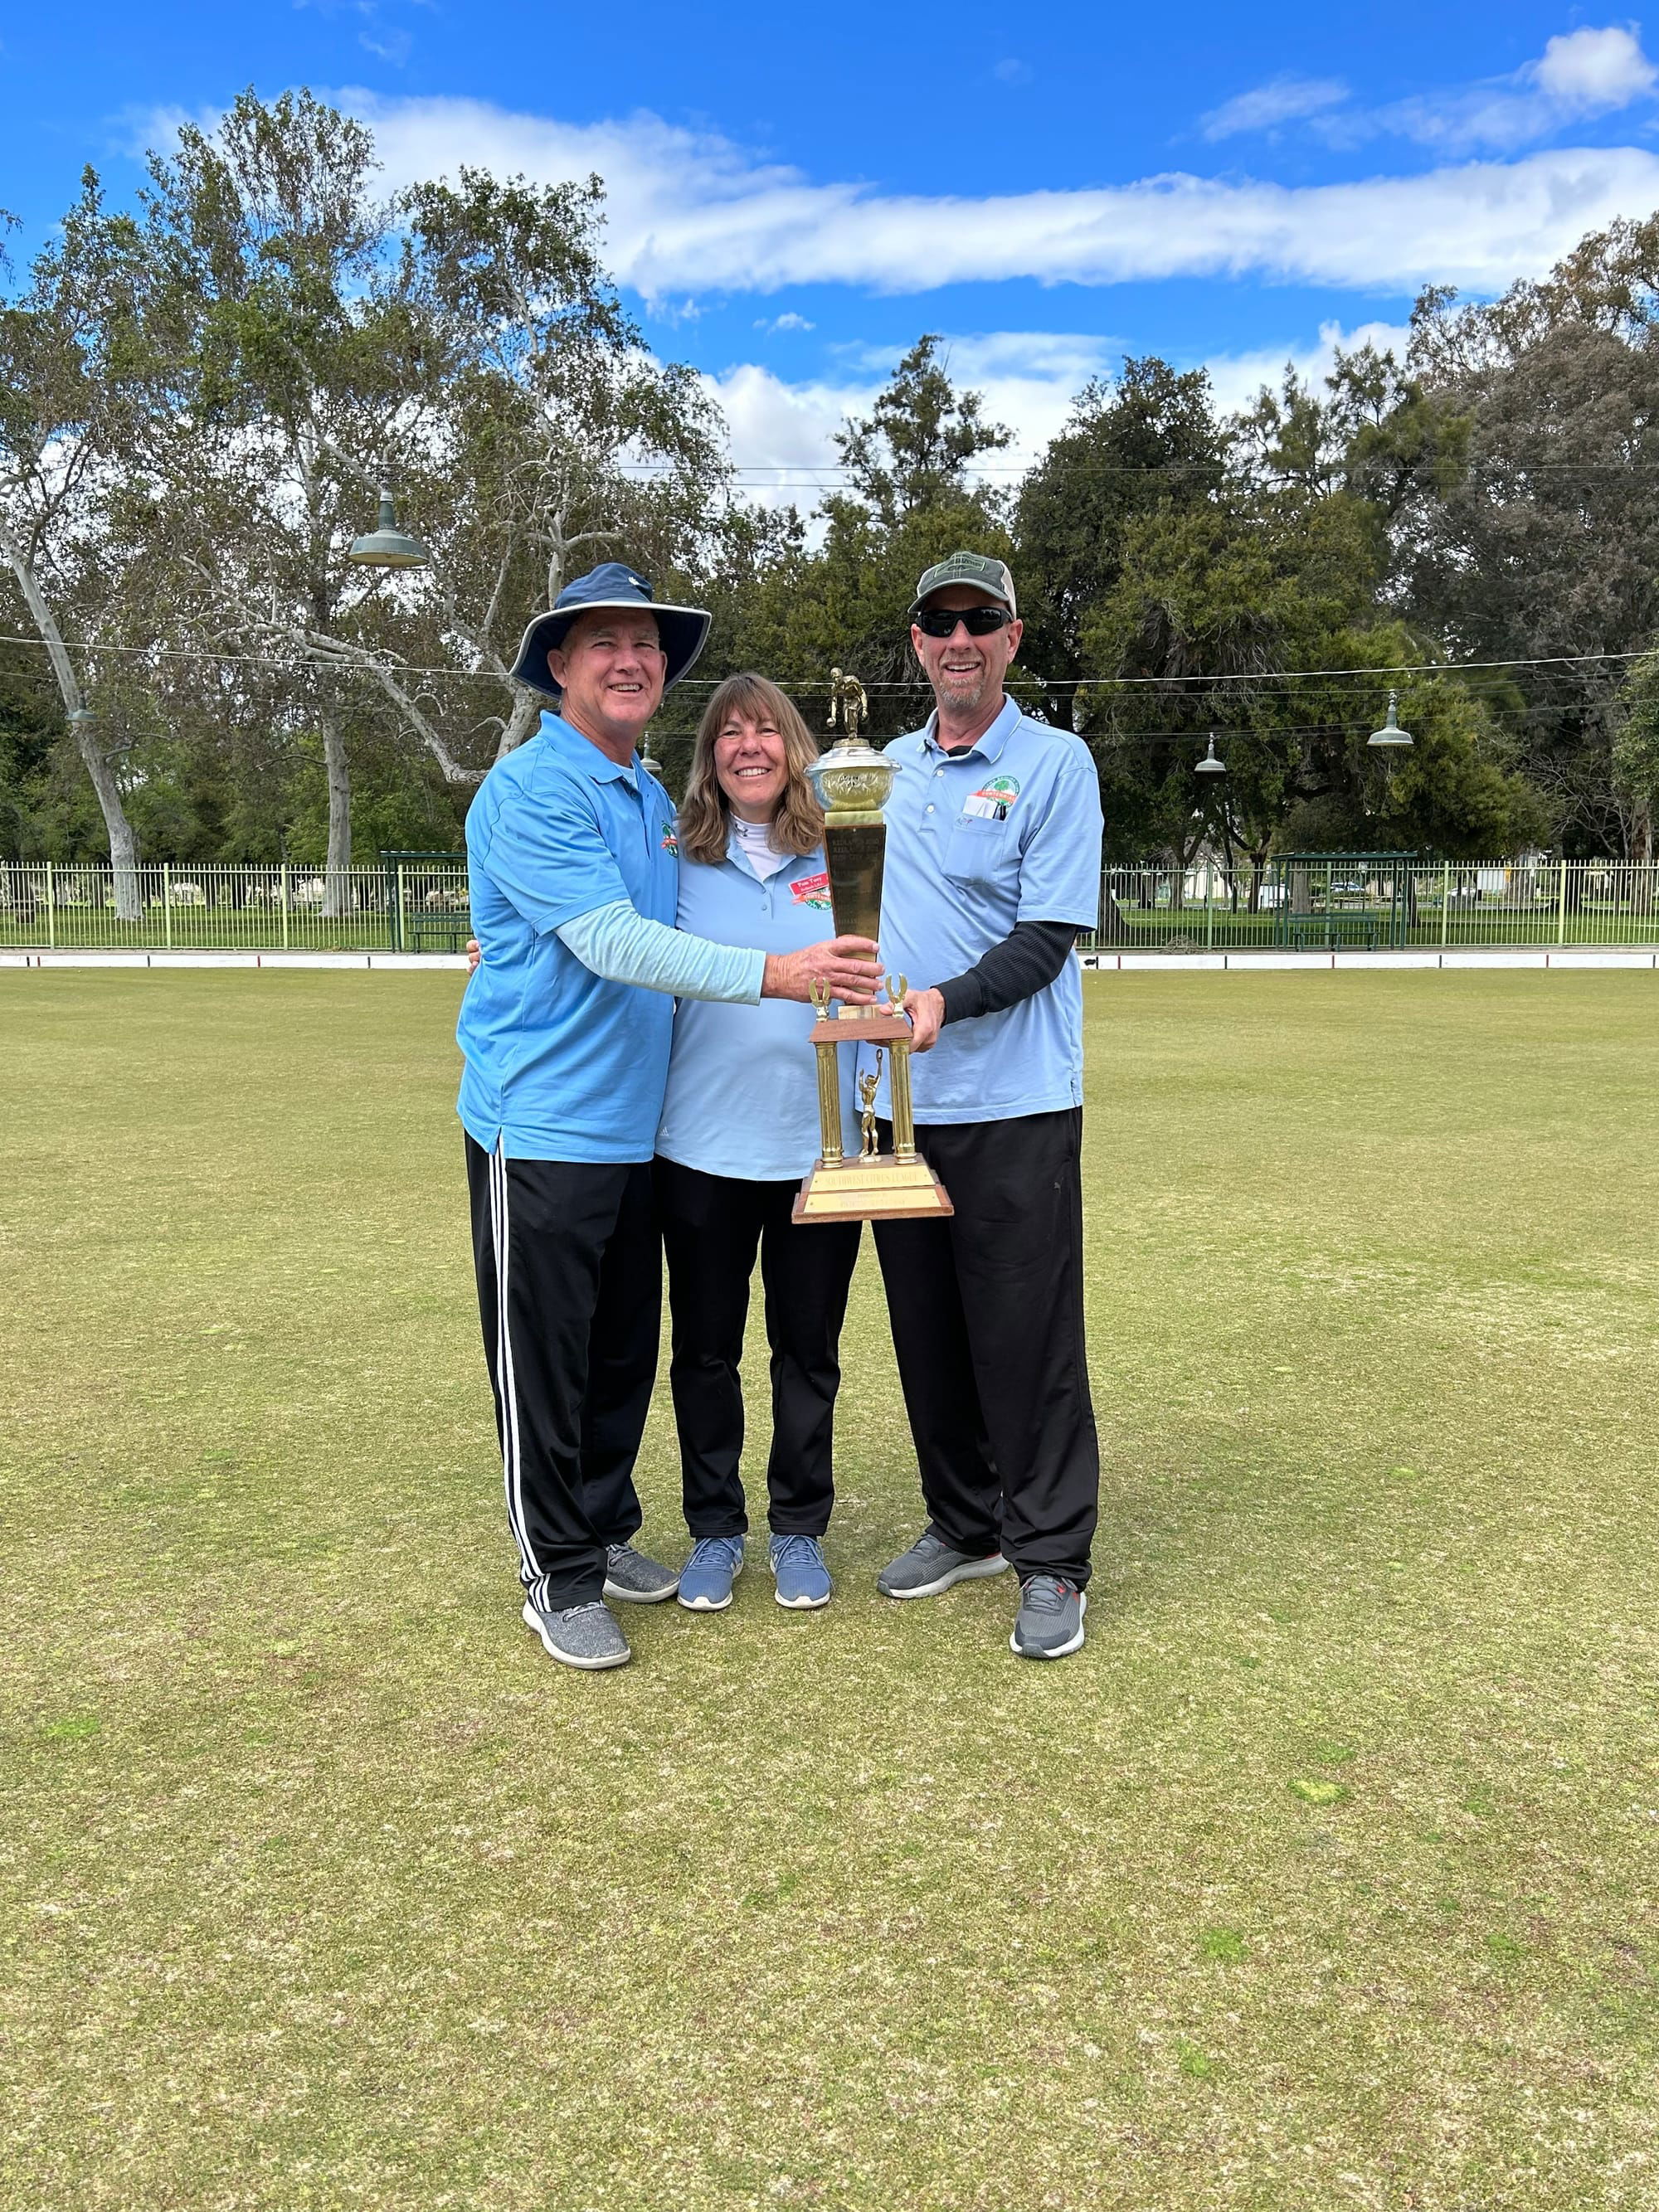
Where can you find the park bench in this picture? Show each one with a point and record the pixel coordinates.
(1329, 931)
(445, 930)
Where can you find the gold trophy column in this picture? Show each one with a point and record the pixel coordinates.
(853, 781)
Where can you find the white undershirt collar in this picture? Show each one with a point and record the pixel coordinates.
(754, 842)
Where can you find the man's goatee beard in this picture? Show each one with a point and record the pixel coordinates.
(953, 692)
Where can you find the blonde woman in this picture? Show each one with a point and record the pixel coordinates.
(739, 1130)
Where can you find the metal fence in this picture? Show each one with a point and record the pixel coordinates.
(413, 905)
(1297, 904)
(419, 903)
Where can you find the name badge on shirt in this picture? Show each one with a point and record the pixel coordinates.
(992, 801)
(811, 891)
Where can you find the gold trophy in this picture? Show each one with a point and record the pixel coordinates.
(853, 781)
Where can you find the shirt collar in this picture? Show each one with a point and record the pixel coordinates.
(739, 858)
(579, 752)
(734, 850)
(987, 746)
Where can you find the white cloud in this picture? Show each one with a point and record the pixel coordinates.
(1012, 71)
(1236, 378)
(1580, 74)
(1281, 99)
(1591, 72)
(390, 46)
(783, 434)
(788, 321)
(690, 212)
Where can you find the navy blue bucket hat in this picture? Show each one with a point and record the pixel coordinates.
(681, 630)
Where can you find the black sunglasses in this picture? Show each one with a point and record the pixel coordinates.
(978, 621)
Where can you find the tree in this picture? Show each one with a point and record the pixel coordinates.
(63, 344)
(1635, 753)
(31, 729)
(311, 342)
(288, 369)
(1231, 605)
(1545, 544)
(912, 451)
(559, 437)
(1149, 440)
(912, 501)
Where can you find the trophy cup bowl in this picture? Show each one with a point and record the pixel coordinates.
(852, 780)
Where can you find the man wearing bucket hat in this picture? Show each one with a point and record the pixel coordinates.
(565, 1029)
(992, 865)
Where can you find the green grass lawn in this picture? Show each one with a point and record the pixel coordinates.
(1323, 1877)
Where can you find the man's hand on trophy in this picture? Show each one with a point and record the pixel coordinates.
(849, 966)
(926, 1012)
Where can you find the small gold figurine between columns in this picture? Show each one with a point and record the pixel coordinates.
(872, 1186)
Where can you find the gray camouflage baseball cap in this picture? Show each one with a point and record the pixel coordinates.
(985, 574)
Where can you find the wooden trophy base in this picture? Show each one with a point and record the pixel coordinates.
(882, 1189)
(896, 1186)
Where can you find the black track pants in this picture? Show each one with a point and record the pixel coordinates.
(987, 1310)
(570, 1295)
(712, 1227)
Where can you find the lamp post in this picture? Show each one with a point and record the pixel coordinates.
(1210, 766)
(1390, 741)
(1391, 736)
(387, 546)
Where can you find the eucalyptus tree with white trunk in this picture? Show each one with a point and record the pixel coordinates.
(288, 371)
(306, 341)
(563, 441)
(61, 405)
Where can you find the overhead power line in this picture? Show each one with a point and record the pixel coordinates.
(829, 476)
(1266, 679)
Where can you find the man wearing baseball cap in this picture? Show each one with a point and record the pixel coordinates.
(992, 865)
(565, 1028)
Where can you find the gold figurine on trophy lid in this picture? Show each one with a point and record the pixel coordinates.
(853, 781)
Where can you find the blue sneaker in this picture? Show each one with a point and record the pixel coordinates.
(707, 1577)
(803, 1579)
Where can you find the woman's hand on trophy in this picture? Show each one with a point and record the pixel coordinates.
(848, 967)
(474, 955)
(926, 1012)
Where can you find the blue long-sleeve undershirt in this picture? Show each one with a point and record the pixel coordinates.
(625, 946)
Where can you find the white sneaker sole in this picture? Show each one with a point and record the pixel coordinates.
(974, 1570)
(707, 1604)
(533, 1619)
(1061, 1650)
(640, 1597)
(714, 1604)
(802, 1604)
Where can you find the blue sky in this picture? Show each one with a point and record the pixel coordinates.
(796, 194)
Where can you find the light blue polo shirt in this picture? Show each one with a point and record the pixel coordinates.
(743, 1086)
(1008, 831)
(561, 1065)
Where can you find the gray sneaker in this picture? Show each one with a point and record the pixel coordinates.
(930, 1566)
(584, 1636)
(1049, 1623)
(629, 1576)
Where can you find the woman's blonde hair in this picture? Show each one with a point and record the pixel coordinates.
(705, 814)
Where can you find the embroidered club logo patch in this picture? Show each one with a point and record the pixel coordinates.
(811, 891)
(671, 842)
(992, 801)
